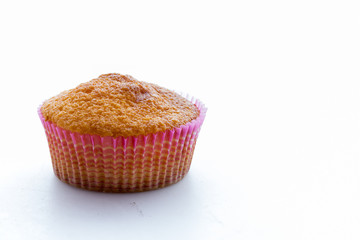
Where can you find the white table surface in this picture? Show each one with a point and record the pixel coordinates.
(278, 156)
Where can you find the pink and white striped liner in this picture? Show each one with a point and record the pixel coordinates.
(130, 164)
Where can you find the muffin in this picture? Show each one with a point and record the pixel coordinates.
(117, 134)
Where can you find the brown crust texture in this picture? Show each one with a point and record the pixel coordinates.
(118, 105)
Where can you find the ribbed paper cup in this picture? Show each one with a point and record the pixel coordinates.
(120, 164)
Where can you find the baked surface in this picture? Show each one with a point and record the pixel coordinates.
(118, 105)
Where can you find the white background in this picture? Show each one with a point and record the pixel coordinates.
(278, 155)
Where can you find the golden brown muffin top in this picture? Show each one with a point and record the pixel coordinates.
(118, 105)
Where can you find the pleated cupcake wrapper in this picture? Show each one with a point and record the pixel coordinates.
(121, 164)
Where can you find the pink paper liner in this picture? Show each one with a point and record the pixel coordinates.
(120, 164)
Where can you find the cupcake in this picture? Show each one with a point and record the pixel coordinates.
(117, 134)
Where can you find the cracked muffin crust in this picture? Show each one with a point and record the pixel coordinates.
(118, 105)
